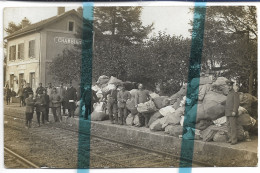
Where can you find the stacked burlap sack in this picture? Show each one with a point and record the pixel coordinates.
(207, 116)
(205, 120)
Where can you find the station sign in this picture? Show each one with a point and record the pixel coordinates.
(66, 40)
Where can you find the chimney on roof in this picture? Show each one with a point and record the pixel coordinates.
(80, 11)
(25, 22)
(61, 10)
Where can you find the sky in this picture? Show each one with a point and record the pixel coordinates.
(172, 20)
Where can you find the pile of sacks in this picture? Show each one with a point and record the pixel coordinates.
(207, 116)
(103, 85)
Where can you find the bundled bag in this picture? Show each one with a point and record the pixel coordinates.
(154, 95)
(214, 106)
(99, 107)
(220, 136)
(98, 116)
(99, 112)
(167, 111)
(203, 124)
(174, 130)
(205, 80)
(157, 125)
(176, 105)
(114, 80)
(203, 89)
(220, 85)
(181, 93)
(133, 92)
(171, 120)
(250, 103)
(246, 120)
(99, 94)
(108, 88)
(220, 121)
(95, 88)
(161, 101)
(180, 111)
(103, 79)
(196, 113)
(208, 135)
(242, 110)
(137, 121)
(155, 116)
(130, 105)
(147, 107)
(130, 120)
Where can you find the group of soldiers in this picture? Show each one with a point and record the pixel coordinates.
(66, 98)
(116, 104)
(56, 98)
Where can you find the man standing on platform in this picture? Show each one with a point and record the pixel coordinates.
(142, 96)
(49, 89)
(40, 108)
(56, 103)
(231, 112)
(47, 106)
(21, 96)
(62, 93)
(122, 97)
(71, 99)
(40, 89)
(49, 92)
(29, 110)
(89, 97)
(27, 90)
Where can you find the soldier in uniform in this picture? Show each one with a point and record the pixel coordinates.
(56, 104)
(122, 97)
(71, 96)
(21, 96)
(40, 108)
(40, 89)
(89, 97)
(47, 105)
(62, 93)
(231, 112)
(29, 110)
(111, 97)
(27, 90)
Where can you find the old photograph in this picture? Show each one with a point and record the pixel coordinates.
(130, 86)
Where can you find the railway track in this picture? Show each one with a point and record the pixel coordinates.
(126, 145)
(18, 159)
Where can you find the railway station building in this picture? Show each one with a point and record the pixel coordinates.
(31, 49)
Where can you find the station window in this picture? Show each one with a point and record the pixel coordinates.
(32, 49)
(21, 51)
(12, 53)
(32, 80)
(71, 26)
(21, 79)
(11, 80)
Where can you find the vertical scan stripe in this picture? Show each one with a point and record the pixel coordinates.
(187, 146)
(83, 163)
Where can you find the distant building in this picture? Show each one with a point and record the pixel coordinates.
(31, 49)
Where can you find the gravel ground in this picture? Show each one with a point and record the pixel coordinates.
(51, 145)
